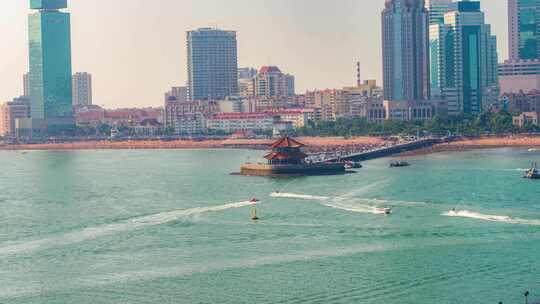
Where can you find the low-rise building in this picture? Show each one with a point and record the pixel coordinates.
(175, 109)
(232, 105)
(298, 117)
(522, 102)
(10, 112)
(233, 122)
(417, 110)
(526, 118)
(370, 108)
(92, 116)
(190, 124)
(519, 76)
(147, 128)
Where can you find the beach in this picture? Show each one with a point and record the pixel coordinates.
(467, 144)
(314, 143)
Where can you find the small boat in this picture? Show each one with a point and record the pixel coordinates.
(254, 201)
(532, 173)
(399, 164)
(353, 165)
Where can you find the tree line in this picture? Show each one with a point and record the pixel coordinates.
(466, 125)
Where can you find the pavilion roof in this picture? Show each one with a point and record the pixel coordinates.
(287, 142)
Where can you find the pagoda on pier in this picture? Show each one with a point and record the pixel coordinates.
(287, 158)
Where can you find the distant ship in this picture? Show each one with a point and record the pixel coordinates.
(398, 164)
(532, 173)
(287, 158)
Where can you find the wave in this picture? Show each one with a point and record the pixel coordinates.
(111, 229)
(299, 196)
(492, 218)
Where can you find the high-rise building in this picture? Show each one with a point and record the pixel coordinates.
(521, 72)
(405, 50)
(26, 84)
(271, 82)
(524, 29)
(50, 65)
(246, 73)
(437, 9)
(466, 67)
(212, 64)
(178, 94)
(82, 89)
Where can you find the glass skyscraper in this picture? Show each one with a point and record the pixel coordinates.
(405, 50)
(212, 64)
(466, 53)
(437, 9)
(524, 22)
(50, 64)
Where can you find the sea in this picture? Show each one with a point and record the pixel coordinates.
(174, 226)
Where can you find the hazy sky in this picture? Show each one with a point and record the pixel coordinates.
(135, 49)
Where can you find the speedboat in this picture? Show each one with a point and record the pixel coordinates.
(532, 173)
(254, 201)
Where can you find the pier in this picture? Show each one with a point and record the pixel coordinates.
(388, 151)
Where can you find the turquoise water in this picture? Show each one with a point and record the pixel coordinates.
(173, 227)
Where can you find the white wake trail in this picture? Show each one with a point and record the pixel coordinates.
(491, 218)
(341, 202)
(111, 229)
(355, 208)
(299, 196)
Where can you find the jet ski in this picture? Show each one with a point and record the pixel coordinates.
(386, 211)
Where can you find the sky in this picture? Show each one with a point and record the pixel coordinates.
(136, 49)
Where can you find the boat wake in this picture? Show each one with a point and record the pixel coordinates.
(341, 203)
(492, 218)
(111, 229)
(299, 196)
(371, 201)
(356, 208)
(517, 169)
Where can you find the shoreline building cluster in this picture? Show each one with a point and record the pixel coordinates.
(439, 59)
(438, 51)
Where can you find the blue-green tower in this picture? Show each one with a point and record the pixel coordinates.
(50, 65)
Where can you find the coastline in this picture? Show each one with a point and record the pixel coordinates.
(315, 144)
(463, 145)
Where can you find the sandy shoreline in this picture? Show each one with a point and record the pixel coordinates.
(314, 143)
(526, 142)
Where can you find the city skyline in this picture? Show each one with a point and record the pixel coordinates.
(320, 55)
